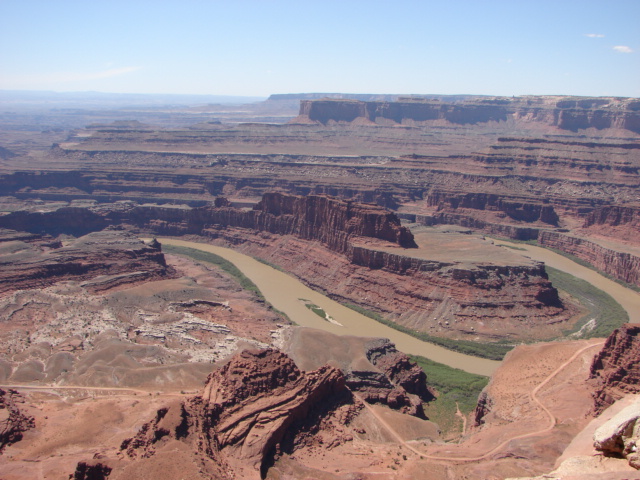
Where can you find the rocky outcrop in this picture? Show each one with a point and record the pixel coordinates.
(621, 265)
(620, 436)
(483, 407)
(256, 405)
(566, 113)
(13, 422)
(399, 383)
(615, 370)
(116, 257)
(399, 368)
(91, 470)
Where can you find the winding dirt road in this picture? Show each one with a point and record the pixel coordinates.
(551, 418)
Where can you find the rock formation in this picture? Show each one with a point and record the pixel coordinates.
(254, 407)
(13, 422)
(615, 370)
(624, 266)
(115, 256)
(621, 435)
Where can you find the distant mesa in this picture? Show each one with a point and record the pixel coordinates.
(566, 113)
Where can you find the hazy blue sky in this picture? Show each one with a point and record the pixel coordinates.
(251, 47)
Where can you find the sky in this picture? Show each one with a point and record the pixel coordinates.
(261, 47)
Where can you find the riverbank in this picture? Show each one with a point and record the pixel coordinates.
(285, 292)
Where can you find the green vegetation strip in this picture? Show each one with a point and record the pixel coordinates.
(491, 351)
(225, 265)
(605, 311)
(217, 260)
(456, 389)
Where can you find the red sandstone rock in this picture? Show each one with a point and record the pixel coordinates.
(615, 369)
(250, 408)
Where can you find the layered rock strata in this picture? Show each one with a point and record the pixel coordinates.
(566, 113)
(615, 370)
(255, 406)
(115, 256)
(622, 265)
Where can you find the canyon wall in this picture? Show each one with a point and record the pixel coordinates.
(614, 216)
(621, 265)
(324, 111)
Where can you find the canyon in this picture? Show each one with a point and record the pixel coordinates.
(394, 206)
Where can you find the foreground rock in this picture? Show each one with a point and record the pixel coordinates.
(256, 406)
(621, 435)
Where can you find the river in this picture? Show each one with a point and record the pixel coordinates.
(285, 292)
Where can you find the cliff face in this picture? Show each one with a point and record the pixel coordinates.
(332, 221)
(614, 216)
(621, 265)
(572, 113)
(615, 369)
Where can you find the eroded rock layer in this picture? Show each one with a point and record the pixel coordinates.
(624, 266)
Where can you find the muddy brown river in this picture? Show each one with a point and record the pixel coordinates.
(289, 295)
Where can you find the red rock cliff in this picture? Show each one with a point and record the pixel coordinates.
(616, 369)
